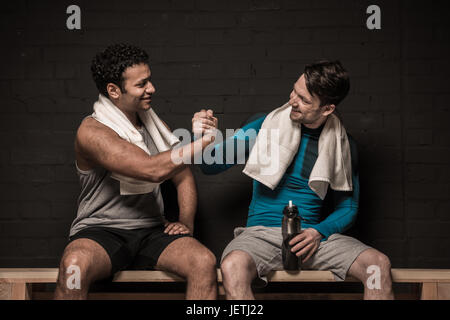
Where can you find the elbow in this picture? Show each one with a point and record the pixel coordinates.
(156, 171)
(157, 179)
(160, 177)
(154, 176)
(163, 174)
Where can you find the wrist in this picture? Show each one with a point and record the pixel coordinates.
(317, 234)
(189, 225)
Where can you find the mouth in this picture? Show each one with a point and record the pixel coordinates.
(147, 99)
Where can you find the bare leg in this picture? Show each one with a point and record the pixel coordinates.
(360, 270)
(190, 259)
(86, 258)
(238, 271)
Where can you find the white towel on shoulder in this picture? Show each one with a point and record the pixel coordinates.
(333, 165)
(110, 115)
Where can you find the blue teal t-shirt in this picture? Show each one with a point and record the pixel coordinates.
(266, 207)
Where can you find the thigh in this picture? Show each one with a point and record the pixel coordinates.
(336, 254)
(110, 243)
(262, 244)
(184, 256)
(154, 247)
(89, 256)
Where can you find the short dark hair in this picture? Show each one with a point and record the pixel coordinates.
(328, 80)
(108, 66)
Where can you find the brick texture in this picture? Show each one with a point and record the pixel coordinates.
(238, 57)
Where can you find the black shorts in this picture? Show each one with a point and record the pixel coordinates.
(137, 249)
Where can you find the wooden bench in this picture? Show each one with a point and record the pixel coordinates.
(25, 283)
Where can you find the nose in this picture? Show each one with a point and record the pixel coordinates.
(292, 100)
(150, 88)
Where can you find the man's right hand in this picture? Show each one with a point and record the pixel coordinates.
(204, 122)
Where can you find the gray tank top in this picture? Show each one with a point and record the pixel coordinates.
(100, 203)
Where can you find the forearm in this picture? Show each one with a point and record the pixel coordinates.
(337, 222)
(167, 164)
(234, 150)
(219, 158)
(187, 197)
(346, 206)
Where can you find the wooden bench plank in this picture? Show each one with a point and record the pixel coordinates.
(28, 275)
(5, 291)
(21, 291)
(49, 275)
(146, 276)
(429, 291)
(303, 276)
(444, 291)
(420, 275)
(17, 283)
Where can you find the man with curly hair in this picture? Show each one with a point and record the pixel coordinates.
(118, 229)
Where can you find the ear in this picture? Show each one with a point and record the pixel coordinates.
(113, 91)
(328, 109)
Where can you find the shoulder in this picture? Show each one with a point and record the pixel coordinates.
(91, 133)
(91, 127)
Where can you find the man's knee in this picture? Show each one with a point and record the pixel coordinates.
(237, 263)
(73, 271)
(83, 262)
(376, 258)
(370, 259)
(190, 258)
(203, 260)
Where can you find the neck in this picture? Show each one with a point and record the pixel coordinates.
(131, 115)
(316, 124)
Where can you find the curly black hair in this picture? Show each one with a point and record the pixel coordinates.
(108, 66)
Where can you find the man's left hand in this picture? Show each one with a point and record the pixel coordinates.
(176, 228)
(306, 243)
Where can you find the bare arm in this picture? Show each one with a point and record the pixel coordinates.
(102, 146)
(187, 202)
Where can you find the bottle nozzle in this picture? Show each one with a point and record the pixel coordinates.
(290, 203)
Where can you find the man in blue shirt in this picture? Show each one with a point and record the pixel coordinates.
(256, 249)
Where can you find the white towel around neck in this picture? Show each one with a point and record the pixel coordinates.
(110, 115)
(333, 164)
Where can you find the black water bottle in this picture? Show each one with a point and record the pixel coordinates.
(291, 226)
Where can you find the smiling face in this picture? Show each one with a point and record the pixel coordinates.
(138, 89)
(306, 107)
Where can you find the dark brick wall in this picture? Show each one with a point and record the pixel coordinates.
(239, 57)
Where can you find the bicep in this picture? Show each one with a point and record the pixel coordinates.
(105, 148)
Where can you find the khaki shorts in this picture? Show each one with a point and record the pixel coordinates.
(263, 244)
